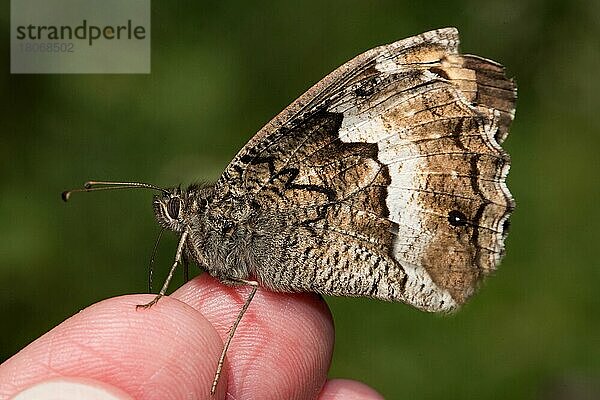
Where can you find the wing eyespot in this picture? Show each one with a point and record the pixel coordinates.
(457, 218)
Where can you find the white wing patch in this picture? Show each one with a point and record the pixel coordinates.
(402, 202)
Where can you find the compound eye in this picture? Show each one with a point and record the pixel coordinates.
(173, 207)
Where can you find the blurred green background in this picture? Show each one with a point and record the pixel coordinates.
(221, 70)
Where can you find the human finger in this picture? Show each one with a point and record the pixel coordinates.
(282, 348)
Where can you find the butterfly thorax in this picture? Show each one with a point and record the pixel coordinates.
(229, 237)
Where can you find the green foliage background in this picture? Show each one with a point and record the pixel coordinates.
(220, 70)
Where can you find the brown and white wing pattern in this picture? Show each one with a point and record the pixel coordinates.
(390, 172)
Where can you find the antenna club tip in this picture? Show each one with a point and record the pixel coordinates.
(88, 184)
(65, 195)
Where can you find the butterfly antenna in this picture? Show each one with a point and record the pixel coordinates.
(93, 186)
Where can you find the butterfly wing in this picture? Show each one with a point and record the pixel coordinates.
(391, 173)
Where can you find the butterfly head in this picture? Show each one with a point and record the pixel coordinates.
(170, 209)
(175, 208)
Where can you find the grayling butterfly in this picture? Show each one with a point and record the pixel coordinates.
(386, 179)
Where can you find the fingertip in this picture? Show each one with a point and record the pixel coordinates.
(216, 301)
(166, 351)
(345, 389)
(283, 345)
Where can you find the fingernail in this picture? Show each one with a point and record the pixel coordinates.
(71, 389)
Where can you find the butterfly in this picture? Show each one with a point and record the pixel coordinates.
(386, 179)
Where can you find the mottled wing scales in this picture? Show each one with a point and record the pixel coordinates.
(440, 146)
(489, 89)
(340, 82)
(391, 171)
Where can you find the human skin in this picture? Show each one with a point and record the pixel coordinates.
(281, 349)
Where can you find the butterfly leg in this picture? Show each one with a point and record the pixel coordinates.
(186, 269)
(254, 285)
(178, 256)
(151, 265)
